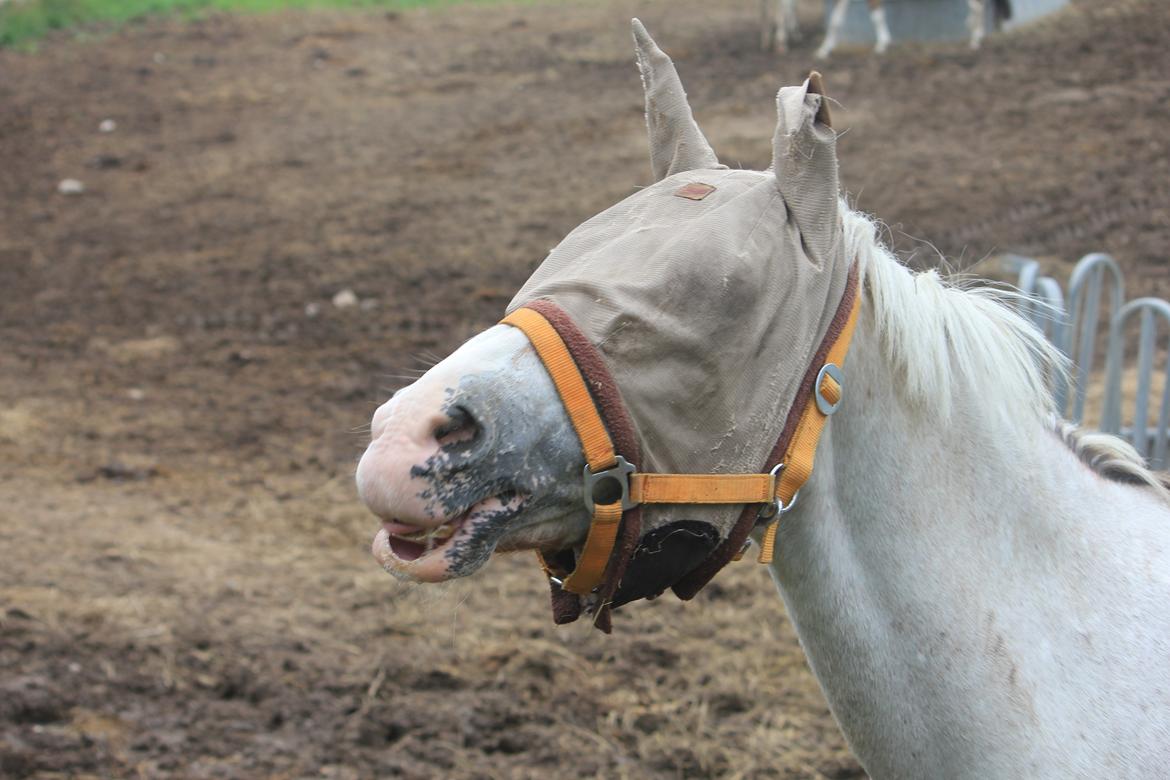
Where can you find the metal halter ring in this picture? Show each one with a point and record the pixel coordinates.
(833, 370)
(774, 508)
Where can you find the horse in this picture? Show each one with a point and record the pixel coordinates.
(779, 24)
(980, 588)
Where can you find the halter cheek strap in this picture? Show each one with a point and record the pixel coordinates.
(797, 465)
(600, 459)
(612, 486)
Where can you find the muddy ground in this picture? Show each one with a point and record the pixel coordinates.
(185, 588)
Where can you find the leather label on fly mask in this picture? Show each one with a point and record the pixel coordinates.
(694, 191)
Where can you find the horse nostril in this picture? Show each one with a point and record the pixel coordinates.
(460, 428)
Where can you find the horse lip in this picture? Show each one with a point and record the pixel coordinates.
(429, 565)
(404, 528)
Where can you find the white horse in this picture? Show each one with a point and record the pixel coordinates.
(982, 591)
(877, 15)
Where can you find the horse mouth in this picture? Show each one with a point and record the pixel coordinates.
(454, 548)
(409, 543)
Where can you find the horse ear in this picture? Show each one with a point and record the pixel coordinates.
(804, 160)
(676, 143)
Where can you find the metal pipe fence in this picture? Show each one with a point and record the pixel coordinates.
(1094, 322)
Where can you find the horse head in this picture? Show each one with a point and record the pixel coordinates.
(693, 309)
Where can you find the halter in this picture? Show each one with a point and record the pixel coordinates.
(613, 489)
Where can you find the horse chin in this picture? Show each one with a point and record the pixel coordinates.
(455, 548)
(542, 532)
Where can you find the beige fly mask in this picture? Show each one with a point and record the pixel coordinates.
(707, 295)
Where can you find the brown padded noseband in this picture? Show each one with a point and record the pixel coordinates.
(567, 606)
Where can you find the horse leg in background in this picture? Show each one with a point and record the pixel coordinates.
(836, 19)
(788, 14)
(877, 15)
(770, 21)
(1003, 13)
(975, 22)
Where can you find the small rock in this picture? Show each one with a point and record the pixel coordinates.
(138, 349)
(345, 299)
(107, 126)
(159, 58)
(136, 394)
(312, 310)
(70, 187)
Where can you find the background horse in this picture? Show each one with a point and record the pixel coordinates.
(980, 588)
(779, 24)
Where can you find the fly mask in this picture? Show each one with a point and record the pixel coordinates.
(700, 314)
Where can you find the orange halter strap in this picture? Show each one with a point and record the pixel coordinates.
(613, 486)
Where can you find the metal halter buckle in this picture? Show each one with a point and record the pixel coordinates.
(609, 486)
(775, 508)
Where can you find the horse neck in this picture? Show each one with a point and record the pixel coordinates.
(912, 558)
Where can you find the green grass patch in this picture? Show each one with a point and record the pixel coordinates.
(22, 22)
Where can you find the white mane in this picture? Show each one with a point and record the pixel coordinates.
(941, 336)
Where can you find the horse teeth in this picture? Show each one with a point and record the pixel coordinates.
(429, 535)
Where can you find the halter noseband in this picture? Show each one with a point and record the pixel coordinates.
(613, 488)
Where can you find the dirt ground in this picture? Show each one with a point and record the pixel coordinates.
(185, 587)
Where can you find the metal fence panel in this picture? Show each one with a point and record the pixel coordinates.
(1149, 440)
(1094, 274)
(1096, 296)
